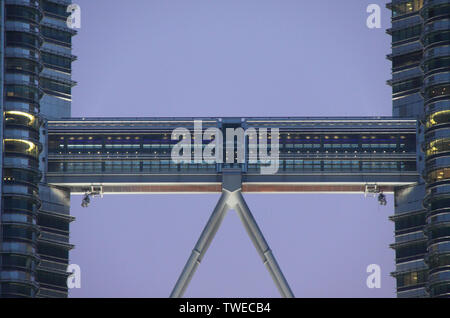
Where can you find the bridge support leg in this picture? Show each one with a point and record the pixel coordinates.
(231, 198)
(261, 246)
(202, 245)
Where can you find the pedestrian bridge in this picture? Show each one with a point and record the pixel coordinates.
(133, 155)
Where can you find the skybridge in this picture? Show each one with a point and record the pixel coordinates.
(133, 155)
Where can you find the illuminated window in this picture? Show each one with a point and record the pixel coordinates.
(438, 118)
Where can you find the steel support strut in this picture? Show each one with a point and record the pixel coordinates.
(201, 247)
(231, 198)
(261, 246)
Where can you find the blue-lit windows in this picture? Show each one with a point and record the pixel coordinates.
(436, 64)
(23, 39)
(16, 275)
(341, 165)
(29, 93)
(60, 63)
(88, 167)
(151, 153)
(379, 166)
(406, 33)
(57, 36)
(122, 166)
(52, 251)
(21, 12)
(437, 10)
(56, 88)
(50, 223)
(436, 37)
(58, 10)
(55, 280)
(12, 232)
(406, 60)
(22, 65)
(18, 262)
(403, 253)
(299, 165)
(405, 87)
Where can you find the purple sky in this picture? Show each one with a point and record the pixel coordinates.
(231, 58)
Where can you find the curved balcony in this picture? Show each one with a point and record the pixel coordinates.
(14, 118)
(437, 147)
(21, 232)
(23, 91)
(435, 10)
(22, 190)
(438, 176)
(436, 74)
(25, 3)
(441, 24)
(22, 163)
(18, 174)
(437, 38)
(437, 199)
(19, 288)
(437, 114)
(19, 261)
(24, 37)
(21, 106)
(24, 10)
(24, 53)
(439, 277)
(436, 93)
(24, 147)
(440, 162)
(21, 204)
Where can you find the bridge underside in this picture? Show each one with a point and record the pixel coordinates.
(247, 187)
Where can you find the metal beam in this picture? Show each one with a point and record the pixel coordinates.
(261, 246)
(202, 246)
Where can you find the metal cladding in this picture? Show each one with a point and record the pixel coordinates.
(22, 148)
(421, 89)
(436, 93)
(36, 84)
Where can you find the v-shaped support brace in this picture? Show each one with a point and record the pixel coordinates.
(231, 198)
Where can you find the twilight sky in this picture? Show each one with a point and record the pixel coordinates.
(231, 58)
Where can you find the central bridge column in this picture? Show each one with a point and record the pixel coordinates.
(232, 198)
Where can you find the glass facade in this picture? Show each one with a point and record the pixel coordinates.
(420, 84)
(436, 92)
(34, 224)
(349, 149)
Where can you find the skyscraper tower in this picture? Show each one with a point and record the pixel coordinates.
(436, 93)
(36, 81)
(420, 84)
